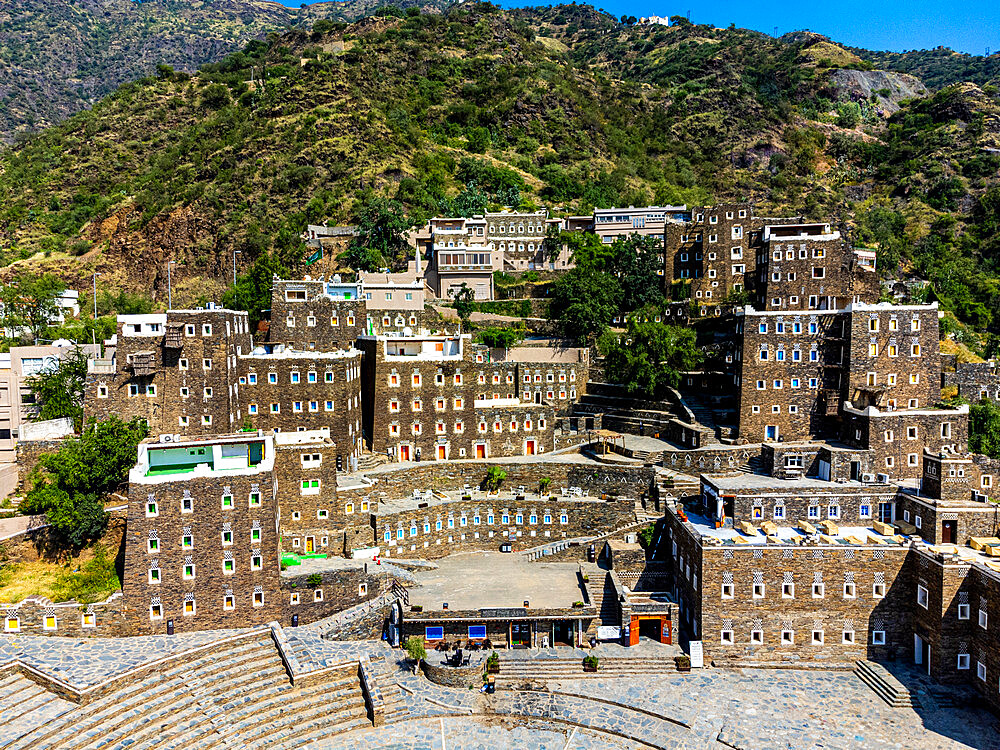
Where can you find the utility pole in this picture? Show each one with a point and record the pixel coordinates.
(235, 253)
(170, 299)
(93, 330)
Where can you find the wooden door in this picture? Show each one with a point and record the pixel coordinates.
(310, 545)
(949, 531)
(529, 447)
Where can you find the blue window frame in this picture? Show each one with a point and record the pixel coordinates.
(434, 633)
(477, 632)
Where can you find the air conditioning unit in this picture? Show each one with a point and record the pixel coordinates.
(167, 438)
(867, 477)
(882, 478)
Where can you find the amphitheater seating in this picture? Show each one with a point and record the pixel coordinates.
(238, 695)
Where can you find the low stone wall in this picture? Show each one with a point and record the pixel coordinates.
(456, 677)
(623, 481)
(339, 589)
(37, 615)
(29, 451)
(715, 460)
(366, 626)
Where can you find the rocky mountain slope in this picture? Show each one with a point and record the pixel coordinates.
(60, 56)
(563, 107)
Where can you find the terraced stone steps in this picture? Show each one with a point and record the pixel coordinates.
(517, 671)
(24, 704)
(884, 684)
(121, 714)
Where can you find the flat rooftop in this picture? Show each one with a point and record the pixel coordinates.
(474, 580)
(761, 482)
(846, 535)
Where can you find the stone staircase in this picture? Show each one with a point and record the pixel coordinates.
(368, 461)
(884, 684)
(24, 704)
(236, 696)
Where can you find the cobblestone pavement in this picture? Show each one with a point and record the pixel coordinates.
(711, 709)
(784, 709)
(479, 733)
(85, 661)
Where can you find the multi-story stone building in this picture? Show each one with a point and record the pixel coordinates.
(811, 267)
(210, 520)
(819, 374)
(202, 540)
(519, 239)
(286, 390)
(178, 370)
(317, 315)
(421, 397)
(713, 252)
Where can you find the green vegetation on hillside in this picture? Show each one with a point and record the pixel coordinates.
(479, 108)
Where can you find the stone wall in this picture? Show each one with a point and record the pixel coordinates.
(290, 391)
(616, 481)
(975, 380)
(37, 615)
(464, 525)
(190, 389)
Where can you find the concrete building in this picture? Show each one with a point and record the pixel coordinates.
(612, 224)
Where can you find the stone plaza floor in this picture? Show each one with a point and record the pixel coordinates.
(713, 709)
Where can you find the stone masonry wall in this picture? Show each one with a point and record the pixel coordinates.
(478, 524)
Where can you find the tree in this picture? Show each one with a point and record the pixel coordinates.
(464, 303)
(649, 357)
(381, 239)
(252, 291)
(69, 485)
(500, 338)
(984, 428)
(59, 392)
(493, 479)
(28, 305)
(583, 302)
(414, 646)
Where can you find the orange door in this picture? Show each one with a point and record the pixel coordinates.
(633, 632)
(404, 453)
(310, 545)
(480, 451)
(441, 453)
(529, 448)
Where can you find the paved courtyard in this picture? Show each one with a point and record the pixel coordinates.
(711, 709)
(476, 579)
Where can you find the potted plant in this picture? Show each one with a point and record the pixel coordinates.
(415, 651)
(494, 478)
(493, 663)
(577, 605)
(543, 485)
(416, 607)
(590, 663)
(683, 663)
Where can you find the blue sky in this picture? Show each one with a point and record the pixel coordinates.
(967, 25)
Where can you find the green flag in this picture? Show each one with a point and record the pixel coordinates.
(314, 257)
